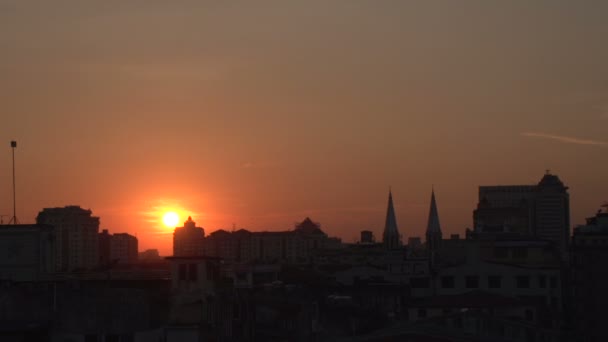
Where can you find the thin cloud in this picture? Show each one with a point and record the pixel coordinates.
(564, 139)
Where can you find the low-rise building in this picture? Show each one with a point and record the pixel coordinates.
(27, 252)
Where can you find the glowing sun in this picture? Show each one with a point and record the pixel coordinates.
(171, 219)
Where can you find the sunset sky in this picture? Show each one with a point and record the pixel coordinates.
(260, 113)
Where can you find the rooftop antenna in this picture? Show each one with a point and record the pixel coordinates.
(14, 218)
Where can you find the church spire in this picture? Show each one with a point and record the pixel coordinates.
(390, 236)
(433, 226)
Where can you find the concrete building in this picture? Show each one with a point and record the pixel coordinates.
(104, 239)
(293, 246)
(76, 237)
(27, 252)
(589, 277)
(123, 248)
(149, 255)
(541, 210)
(188, 240)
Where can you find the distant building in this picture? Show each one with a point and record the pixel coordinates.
(26, 252)
(541, 210)
(390, 237)
(589, 277)
(367, 236)
(188, 240)
(104, 239)
(149, 255)
(76, 236)
(292, 246)
(123, 248)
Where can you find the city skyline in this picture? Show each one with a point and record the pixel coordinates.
(261, 115)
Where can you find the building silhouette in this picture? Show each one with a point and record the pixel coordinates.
(541, 211)
(589, 277)
(293, 246)
(390, 236)
(433, 229)
(123, 248)
(76, 236)
(26, 252)
(188, 240)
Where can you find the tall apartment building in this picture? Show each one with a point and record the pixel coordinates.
(188, 240)
(541, 210)
(123, 248)
(76, 236)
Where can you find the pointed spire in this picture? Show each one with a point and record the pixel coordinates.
(433, 226)
(390, 236)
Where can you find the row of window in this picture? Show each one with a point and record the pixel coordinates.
(496, 281)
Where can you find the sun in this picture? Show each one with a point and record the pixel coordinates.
(171, 219)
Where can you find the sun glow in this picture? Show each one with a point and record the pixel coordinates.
(171, 219)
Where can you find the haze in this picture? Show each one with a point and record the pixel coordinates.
(257, 114)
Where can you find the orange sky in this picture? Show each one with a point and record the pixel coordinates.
(259, 114)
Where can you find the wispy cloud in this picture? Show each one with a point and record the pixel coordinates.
(258, 165)
(565, 139)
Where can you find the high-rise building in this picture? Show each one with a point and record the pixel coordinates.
(505, 209)
(104, 247)
(188, 240)
(552, 212)
(541, 210)
(390, 237)
(76, 236)
(123, 248)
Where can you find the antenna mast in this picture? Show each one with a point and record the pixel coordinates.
(14, 218)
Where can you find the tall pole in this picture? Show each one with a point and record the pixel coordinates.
(14, 219)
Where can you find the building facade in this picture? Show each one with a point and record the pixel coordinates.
(27, 252)
(541, 210)
(589, 278)
(76, 237)
(294, 246)
(123, 248)
(188, 240)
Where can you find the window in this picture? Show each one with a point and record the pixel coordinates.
(529, 315)
(542, 281)
(494, 282)
(520, 252)
(420, 283)
(192, 272)
(447, 282)
(553, 282)
(472, 282)
(421, 313)
(500, 253)
(112, 338)
(522, 282)
(182, 271)
(90, 338)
